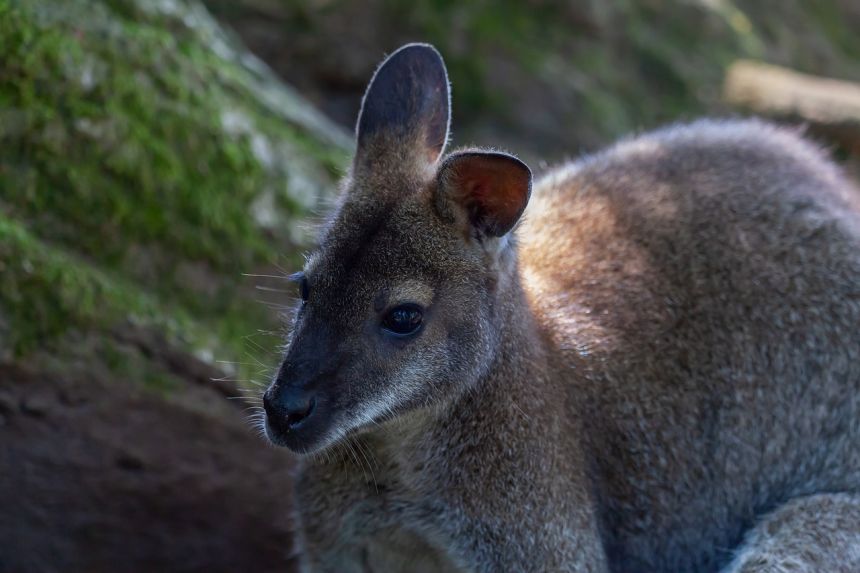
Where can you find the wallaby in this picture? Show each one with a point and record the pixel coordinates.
(655, 369)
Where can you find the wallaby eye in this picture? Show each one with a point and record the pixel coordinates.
(403, 320)
(304, 289)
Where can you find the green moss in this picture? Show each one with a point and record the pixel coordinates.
(137, 143)
(134, 134)
(45, 291)
(128, 364)
(122, 159)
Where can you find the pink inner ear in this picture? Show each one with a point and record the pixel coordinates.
(493, 187)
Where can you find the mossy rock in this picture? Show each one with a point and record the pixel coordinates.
(146, 162)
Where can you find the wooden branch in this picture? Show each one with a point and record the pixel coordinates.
(830, 107)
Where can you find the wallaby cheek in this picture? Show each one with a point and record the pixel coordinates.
(468, 348)
(418, 366)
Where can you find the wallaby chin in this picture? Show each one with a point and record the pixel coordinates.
(656, 368)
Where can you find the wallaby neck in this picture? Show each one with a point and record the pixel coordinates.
(522, 350)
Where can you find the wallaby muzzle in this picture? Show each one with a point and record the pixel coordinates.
(298, 407)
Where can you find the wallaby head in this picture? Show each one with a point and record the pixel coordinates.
(399, 301)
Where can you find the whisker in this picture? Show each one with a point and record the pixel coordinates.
(233, 362)
(273, 305)
(247, 338)
(271, 289)
(233, 380)
(364, 450)
(285, 276)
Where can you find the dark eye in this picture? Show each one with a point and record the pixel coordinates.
(304, 289)
(403, 320)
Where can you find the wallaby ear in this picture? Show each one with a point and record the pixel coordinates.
(406, 108)
(492, 188)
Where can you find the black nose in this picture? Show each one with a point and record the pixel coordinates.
(288, 407)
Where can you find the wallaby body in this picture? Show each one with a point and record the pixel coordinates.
(658, 370)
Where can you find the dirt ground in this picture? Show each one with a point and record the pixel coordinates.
(98, 475)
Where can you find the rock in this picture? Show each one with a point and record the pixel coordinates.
(129, 462)
(8, 403)
(37, 405)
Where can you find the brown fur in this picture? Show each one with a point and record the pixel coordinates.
(657, 371)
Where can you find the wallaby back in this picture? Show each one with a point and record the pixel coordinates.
(703, 285)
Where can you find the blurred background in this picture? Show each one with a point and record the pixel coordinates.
(162, 163)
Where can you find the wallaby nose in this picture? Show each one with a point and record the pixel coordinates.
(288, 407)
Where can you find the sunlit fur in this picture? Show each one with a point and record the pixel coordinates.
(657, 371)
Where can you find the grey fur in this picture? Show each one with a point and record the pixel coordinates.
(659, 371)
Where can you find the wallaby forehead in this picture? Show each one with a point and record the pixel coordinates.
(376, 241)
